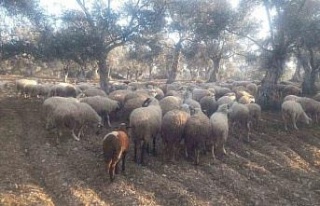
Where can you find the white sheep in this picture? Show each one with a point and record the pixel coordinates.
(293, 111)
(198, 93)
(310, 106)
(92, 91)
(145, 124)
(240, 118)
(219, 130)
(64, 90)
(229, 98)
(24, 86)
(74, 116)
(189, 101)
(254, 113)
(246, 99)
(103, 106)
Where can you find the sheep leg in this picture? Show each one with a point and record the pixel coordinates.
(248, 130)
(294, 120)
(196, 156)
(108, 120)
(124, 162)
(285, 121)
(142, 148)
(154, 146)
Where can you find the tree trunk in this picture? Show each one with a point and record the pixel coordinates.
(297, 74)
(103, 73)
(175, 63)
(213, 73)
(308, 85)
(269, 96)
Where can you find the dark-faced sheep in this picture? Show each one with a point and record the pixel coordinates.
(209, 105)
(115, 148)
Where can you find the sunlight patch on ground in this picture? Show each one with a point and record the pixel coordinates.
(28, 194)
(87, 196)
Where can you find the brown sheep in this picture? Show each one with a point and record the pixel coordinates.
(115, 148)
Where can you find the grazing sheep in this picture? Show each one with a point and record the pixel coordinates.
(240, 118)
(73, 116)
(131, 105)
(189, 101)
(103, 106)
(115, 147)
(310, 106)
(254, 114)
(219, 131)
(209, 105)
(293, 111)
(221, 91)
(173, 124)
(170, 103)
(145, 124)
(291, 89)
(196, 133)
(23, 86)
(317, 97)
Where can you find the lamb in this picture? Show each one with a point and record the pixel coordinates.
(173, 124)
(219, 131)
(103, 106)
(115, 147)
(196, 133)
(145, 124)
(239, 116)
(74, 115)
(292, 111)
(170, 103)
(209, 105)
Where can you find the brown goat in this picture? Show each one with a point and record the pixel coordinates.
(115, 148)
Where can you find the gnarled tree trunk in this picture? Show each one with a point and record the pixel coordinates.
(213, 72)
(103, 73)
(175, 63)
(308, 84)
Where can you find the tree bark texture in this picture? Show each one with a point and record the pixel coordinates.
(213, 72)
(174, 68)
(103, 73)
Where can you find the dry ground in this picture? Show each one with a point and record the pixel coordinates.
(275, 168)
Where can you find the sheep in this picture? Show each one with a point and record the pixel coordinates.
(63, 90)
(115, 146)
(239, 116)
(91, 92)
(252, 88)
(197, 94)
(73, 115)
(23, 86)
(119, 95)
(292, 111)
(172, 128)
(219, 131)
(291, 97)
(291, 89)
(170, 103)
(103, 106)
(209, 105)
(316, 97)
(145, 124)
(310, 106)
(246, 99)
(50, 104)
(132, 104)
(229, 98)
(189, 101)
(254, 113)
(196, 133)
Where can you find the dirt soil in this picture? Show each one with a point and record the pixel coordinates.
(275, 168)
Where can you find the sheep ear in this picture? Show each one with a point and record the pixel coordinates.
(146, 102)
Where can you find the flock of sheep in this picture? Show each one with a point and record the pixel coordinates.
(195, 115)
